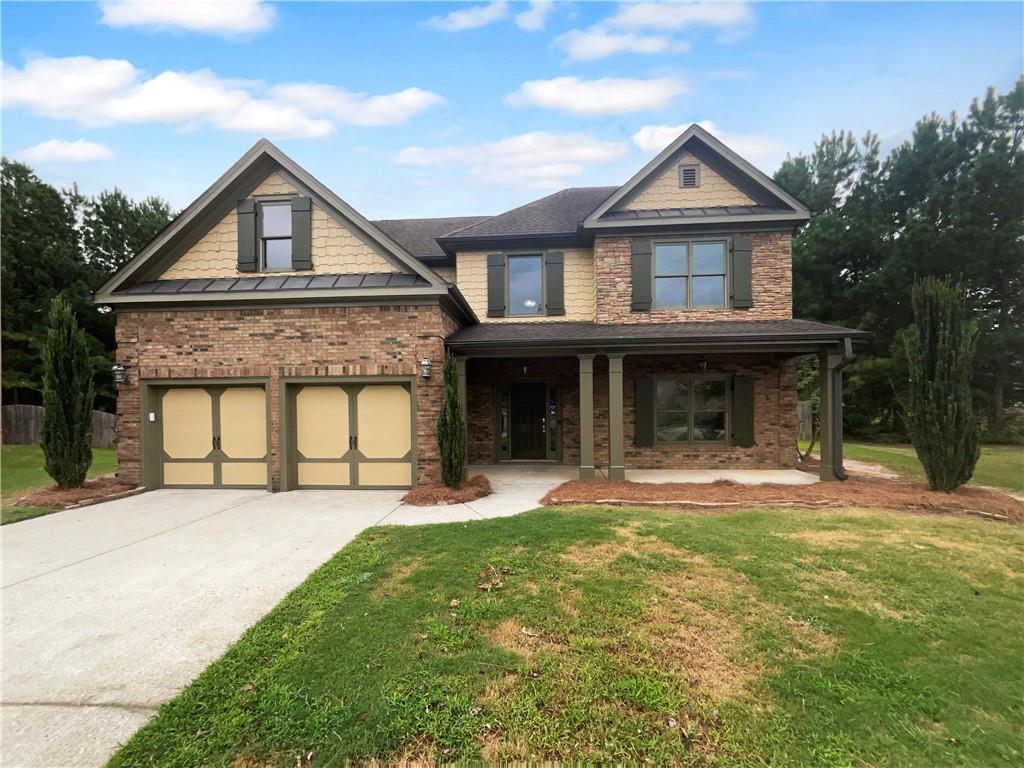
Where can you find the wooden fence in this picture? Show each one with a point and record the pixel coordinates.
(23, 424)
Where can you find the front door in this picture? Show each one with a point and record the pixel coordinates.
(528, 420)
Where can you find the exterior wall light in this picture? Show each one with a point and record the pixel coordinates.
(425, 367)
(120, 373)
(702, 363)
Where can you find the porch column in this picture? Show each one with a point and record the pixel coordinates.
(586, 416)
(616, 458)
(831, 372)
(460, 375)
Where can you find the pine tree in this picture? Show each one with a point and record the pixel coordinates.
(67, 398)
(451, 428)
(939, 410)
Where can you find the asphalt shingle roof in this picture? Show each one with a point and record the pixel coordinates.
(573, 333)
(559, 213)
(419, 236)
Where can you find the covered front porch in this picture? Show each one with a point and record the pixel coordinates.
(704, 405)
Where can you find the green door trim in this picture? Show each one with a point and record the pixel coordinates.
(151, 432)
(290, 386)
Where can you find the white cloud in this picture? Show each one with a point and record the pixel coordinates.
(654, 138)
(538, 160)
(676, 16)
(597, 43)
(470, 18)
(237, 18)
(97, 92)
(357, 108)
(536, 16)
(605, 96)
(60, 151)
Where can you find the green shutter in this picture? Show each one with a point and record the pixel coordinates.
(644, 409)
(742, 416)
(554, 282)
(742, 292)
(641, 276)
(495, 285)
(247, 237)
(301, 234)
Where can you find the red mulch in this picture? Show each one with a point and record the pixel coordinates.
(90, 490)
(855, 492)
(430, 494)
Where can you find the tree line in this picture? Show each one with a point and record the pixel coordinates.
(61, 242)
(948, 201)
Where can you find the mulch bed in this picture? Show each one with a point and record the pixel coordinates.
(855, 492)
(91, 490)
(432, 494)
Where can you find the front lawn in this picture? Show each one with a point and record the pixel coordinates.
(21, 471)
(1000, 466)
(760, 637)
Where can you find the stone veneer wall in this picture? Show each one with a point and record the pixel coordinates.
(281, 342)
(580, 290)
(335, 249)
(663, 191)
(775, 420)
(771, 277)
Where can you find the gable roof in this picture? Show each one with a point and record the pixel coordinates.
(557, 214)
(782, 205)
(419, 236)
(217, 201)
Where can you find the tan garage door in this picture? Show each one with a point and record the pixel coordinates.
(353, 435)
(213, 437)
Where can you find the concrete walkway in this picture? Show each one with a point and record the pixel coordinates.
(110, 610)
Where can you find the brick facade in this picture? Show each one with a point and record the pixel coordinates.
(771, 277)
(281, 342)
(775, 422)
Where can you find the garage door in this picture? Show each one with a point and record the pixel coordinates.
(353, 435)
(213, 437)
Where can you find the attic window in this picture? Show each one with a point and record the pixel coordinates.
(276, 235)
(689, 176)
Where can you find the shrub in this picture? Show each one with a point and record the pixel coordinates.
(451, 428)
(67, 398)
(939, 409)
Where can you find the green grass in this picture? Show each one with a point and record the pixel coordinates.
(21, 471)
(1000, 466)
(753, 638)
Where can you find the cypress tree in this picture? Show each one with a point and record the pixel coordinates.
(67, 398)
(451, 428)
(939, 409)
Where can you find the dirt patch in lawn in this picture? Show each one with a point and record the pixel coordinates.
(856, 492)
(628, 541)
(512, 635)
(431, 494)
(91, 490)
(394, 583)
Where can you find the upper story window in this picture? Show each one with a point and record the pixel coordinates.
(526, 284)
(689, 274)
(689, 175)
(275, 235)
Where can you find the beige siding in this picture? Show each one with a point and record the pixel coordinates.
(580, 293)
(446, 273)
(335, 248)
(664, 191)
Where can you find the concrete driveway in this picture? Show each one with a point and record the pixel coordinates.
(110, 610)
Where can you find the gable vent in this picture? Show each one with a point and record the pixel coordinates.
(689, 175)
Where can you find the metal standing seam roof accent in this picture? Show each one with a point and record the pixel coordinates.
(571, 333)
(693, 213)
(269, 283)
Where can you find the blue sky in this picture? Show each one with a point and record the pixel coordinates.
(432, 109)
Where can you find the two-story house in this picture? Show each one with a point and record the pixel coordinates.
(272, 336)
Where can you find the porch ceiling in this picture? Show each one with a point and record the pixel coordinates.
(724, 335)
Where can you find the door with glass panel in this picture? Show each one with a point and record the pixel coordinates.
(213, 436)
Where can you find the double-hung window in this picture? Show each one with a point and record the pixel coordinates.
(526, 284)
(689, 274)
(275, 235)
(691, 409)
